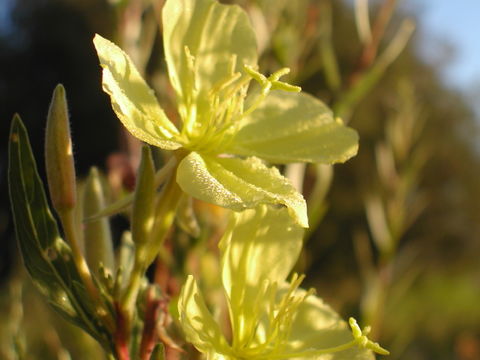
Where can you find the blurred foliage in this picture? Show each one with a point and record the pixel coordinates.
(400, 223)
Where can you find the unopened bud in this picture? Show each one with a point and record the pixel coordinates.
(144, 199)
(125, 260)
(58, 153)
(97, 234)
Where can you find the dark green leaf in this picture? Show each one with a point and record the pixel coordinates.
(47, 257)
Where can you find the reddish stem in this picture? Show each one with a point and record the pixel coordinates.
(120, 336)
(149, 334)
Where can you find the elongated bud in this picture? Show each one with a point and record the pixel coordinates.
(124, 261)
(97, 235)
(144, 200)
(58, 154)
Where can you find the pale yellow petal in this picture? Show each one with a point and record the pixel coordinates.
(132, 100)
(239, 184)
(294, 127)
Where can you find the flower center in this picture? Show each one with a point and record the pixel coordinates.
(218, 122)
(271, 333)
(211, 119)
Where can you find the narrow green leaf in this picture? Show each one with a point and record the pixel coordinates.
(114, 208)
(124, 202)
(47, 258)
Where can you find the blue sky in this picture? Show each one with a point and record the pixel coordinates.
(457, 23)
(4, 14)
(444, 25)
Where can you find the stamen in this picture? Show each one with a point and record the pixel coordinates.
(362, 340)
(220, 120)
(268, 84)
(280, 318)
(260, 78)
(279, 73)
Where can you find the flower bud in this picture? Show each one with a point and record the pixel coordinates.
(144, 200)
(58, 154)
(97, 235)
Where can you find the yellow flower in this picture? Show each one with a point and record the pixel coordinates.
(227, 126)
(269, 317)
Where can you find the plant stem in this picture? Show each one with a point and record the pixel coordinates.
(145, 255)
(149, 334)
(68, 222)
(120, 336)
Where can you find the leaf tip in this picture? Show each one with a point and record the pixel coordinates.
(14, 137)
(15, 128)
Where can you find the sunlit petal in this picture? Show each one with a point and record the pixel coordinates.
(259, 245)
(198, 324)
(214, 34)
(316, 327)
(132, 100)
(294, 127)
(238, 184)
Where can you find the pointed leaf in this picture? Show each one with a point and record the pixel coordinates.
(47, 258)
(238, 184)
(132, 100)
(114, 208)
(294, 127)
(213, 33)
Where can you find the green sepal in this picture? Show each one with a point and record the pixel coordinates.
(47, 258)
